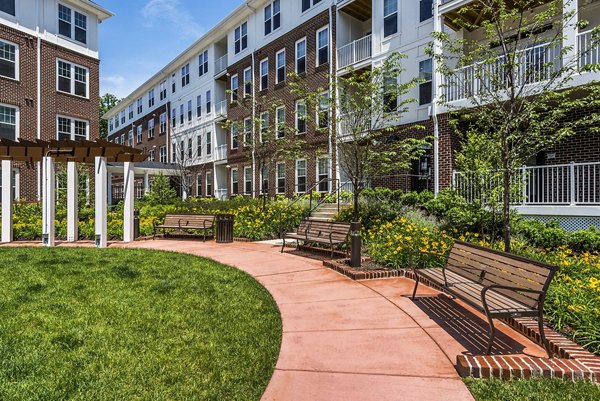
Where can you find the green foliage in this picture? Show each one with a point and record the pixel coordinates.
(550, 235)
(115, 324)
(107, 102)
(532, 390)
(161, 192)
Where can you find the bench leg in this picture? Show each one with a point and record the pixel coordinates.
(283, 245)
(545, 342)
(417, 279)
(492, 334)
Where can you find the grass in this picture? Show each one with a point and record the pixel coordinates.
(87, 324)
(532, 390)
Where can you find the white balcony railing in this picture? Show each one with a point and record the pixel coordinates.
(221, 108)
(220, 64)
(220, 153)
(587, 49)
(575, 184)
(532, 65)
(221, 193)
(354, 52)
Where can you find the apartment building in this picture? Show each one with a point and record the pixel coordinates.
(49, 76)
(249, 50)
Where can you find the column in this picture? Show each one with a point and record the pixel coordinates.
(128, 200)
(101, 202)
(570, 20)
(72, 202)
(109, 187)
(438, 21)
(146, 182)
(7, 201)
(48, 201)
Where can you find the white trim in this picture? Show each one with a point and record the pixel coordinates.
(317, 48)
(238, 181)
(298, 103)
(277, 81)
(277, 122)
(277, 177)
(234, 92)
(325, 157)
(17, 118)
(245, 181)
(237, 136)
(296, 175)
(11, 17)
(249, 69)
(72, 79)
(324, 94)
(73, 11)
(260, 71)
(17, 60)
(296, 54)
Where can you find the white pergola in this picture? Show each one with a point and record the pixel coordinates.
(98, 153)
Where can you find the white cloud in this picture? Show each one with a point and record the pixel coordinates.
(118, 85)
(157, 12)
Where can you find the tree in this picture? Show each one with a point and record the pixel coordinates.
(370, 104)
(188, 161)
(161, 192)
(107, 102)
(515, 76)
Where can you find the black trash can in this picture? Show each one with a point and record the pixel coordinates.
(136, 224)
(224, 228)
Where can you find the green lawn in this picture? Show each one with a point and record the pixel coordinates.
(533, 390)
(116, 324)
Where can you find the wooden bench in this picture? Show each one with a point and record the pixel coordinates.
(499, 284)
(320, 232)
(200, 222)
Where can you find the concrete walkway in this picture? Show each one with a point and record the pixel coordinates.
(342, 340)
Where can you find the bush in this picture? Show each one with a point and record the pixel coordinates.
(550, 236)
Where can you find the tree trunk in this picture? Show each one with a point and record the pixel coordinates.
(506, 196)
(356, 207)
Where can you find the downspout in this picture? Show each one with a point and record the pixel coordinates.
(332, 120)
(434, 104)
(39, 96)
(254, 172)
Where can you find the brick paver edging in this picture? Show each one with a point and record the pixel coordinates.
(341, 267)
(574, 362)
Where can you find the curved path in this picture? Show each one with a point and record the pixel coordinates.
(342, 340)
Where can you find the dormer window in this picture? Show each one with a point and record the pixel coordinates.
(72, 24)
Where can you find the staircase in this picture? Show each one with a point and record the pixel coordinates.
(326, 211)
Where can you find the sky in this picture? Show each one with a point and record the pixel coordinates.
(144, 35)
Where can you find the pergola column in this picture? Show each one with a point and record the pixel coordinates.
(72, 202)
(7, 201)
(101, 201)
(109, 188)
(146, 182)
(48, 201)
(570, 30)
(128, 199)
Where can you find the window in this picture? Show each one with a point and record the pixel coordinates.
(264, 180)
(425, 87)
(264, 125)
(280, 172)
(280, 121)
(70, 128)
(234, 88)
(173, 83)
(122, 116)
(306, 4)
(199, 106)
(203, 63)
(7, 6)
(208, 143)
(189, 110)
(234, 181)
(241, 37)
(130, 138)
(163, 91)
(248, 180)
(130, 111)
(174, 151)
(199, 185)
(163, 154)
(139, 133)
(322, 46)
(151, 128)
(182, 151)
(151, 97)
(209, 183)
(234, 136)
(323, 111)
(300, 176)
(301, 56)
(247, 131)
(280, 66)
(323, 174)
(72, 79)
(190, 148)
(247, 82)
(111, 125)
(76, 31)
(208, 102)
(151, 155)
(185, 75)
(162, 128)
(426, 10)
(181, 114)
(117, 121)
(390, 17)
(390, 93)
(8, 122)
(174, 118)
(9, 58)
(264, 74)
(122, 139)
(300, 117)
(272, 17)
(140, 107)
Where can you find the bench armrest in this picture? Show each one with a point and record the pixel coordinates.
(509, 288)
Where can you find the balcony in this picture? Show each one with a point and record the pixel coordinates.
(220, 153)
(220, 65)
(587, 49)
(221, 193)
(354, 52)
(221, 109)
(573, 184)
(533, 65)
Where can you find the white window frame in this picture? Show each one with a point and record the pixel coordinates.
(151, 98)
(17, 117)
(299, 103)
(325, 28)
(264, 73)
(296, 58)
(209, 107)
(140, 105)
(278, 67)
(72, 78)
(185, 75)
(163, 154)
(9, 15)
(277, 177)
(270, 20)
(328, 173)
(387, 16)
(248, 168)
(72, 23)
(208, 141)
(198, 185)
(162, 123)
(139, 133)
(151, 155)
(203, 63)
(319, 110)
(162, 90)
(16, 62)
(297, 176)
(130, 111)
(248, 84)
(278, 122)
(209, 181)
(242, 47)
(234, 90)
(151, 125)
(237, 181)
(264, 123)
(72, 126)
(235, 134)
(190, 110)
(247, 131)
